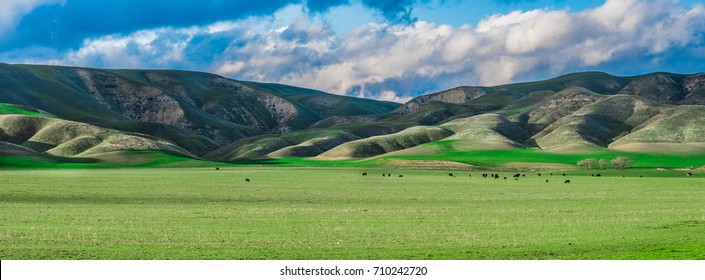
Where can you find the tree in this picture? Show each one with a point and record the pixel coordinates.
(621, 162)
(587, 163)
(602, 163)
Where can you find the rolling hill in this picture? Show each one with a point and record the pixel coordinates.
(68, 113)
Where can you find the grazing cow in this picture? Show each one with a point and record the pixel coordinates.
(546, 181)
(567, 182)
(217, 168)
(364, 174)
(598, 175)
(470, 175)
(688, 174)
(539, 174)
(389, 175)
(641, 176)
(247, 180)
(551, 173)
(384, 175)
(496, 177)
(451, 175)
(517, 175)
(563, 174)
(401, 176)
(523, 175)
(505, 178)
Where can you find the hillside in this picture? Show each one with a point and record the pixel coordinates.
(198, 111)
(61, 113)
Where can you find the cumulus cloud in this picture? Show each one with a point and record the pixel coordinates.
(11, 11)
(392, 61)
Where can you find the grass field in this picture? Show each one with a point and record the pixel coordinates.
(335, 213)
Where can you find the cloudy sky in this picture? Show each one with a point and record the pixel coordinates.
(390, 50)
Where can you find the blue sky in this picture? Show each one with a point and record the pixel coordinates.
(390, 50)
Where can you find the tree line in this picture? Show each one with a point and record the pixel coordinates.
(619, 162)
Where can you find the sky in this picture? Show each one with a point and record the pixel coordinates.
(386, 50)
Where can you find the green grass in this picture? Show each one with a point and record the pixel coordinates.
(20, 110)
(334, 213)
(499, 158)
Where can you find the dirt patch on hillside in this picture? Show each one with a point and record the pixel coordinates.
(663, 148)
(537, 166)
(430, 164)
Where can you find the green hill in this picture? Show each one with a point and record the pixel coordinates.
(60, 114)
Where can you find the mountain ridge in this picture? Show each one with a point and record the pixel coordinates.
(201, 115)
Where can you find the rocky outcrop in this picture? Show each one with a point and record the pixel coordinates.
(138, 102)
(657, 87)
(457, 95)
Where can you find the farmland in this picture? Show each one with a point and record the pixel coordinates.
(335, 213)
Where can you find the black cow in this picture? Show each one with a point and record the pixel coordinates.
(401, 176)
(451, 175)
(567, 182)
(364, 174)
(247, 180)
(217, 168)
(384, 175)
(517, 175)
(539, 174)
(546, 181)
(598, 175)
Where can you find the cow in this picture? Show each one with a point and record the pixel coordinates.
(539, 174)
(247, 180)
(523, 175)
(384, 175)
(401, 176)
(563, 174)
(598, 175)
(689, 174)
(451, 175)
(364, 174)
(505, 178)
(517, 175)
(217, 168)
(567, 182)
(546, 181)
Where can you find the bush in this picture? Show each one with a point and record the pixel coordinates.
(587, 163)
(621, 162)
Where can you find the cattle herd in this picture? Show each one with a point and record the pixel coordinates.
(493, 175)
(516, 176)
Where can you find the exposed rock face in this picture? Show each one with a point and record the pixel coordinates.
(657, 87)
(138, 102)
(280, 111)
(457, 95)
(566, 102)
(693, 83)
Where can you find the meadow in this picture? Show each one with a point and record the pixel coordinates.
(336, 213)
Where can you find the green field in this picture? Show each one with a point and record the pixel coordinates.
(335, 213)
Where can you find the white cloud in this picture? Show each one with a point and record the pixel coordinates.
(11, 11)
(393, 62)
(389, 95)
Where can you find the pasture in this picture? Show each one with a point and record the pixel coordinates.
(335, 213)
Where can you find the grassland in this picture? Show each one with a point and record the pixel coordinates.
(335, 213)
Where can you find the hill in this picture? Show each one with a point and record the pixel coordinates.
(61, 113)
